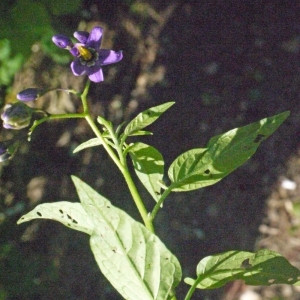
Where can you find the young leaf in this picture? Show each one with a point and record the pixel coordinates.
(132, 258)
(149, 166)
(264, 267)
(141, 132)
(198, 168)
(70, 214)
(146, 118)
(90, 143)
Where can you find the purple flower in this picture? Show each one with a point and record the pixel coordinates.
(16, 115)
(29, 94)
(89, 57)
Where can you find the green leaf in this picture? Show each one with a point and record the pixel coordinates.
(198, 168)
(146, 118)
(264, 267)
(70, 214)
(132, 258)
(90, 143)
(141, 132)
(149, 167)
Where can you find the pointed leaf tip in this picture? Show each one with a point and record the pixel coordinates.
(69, 214)
(146, 118)
(264, 267)
(226, 152)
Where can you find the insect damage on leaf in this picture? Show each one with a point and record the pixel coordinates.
(259, 138)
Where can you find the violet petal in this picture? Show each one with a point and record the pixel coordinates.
(109, 56)
(77, 68)
(95, 37)
(62, 41)
(74, 51)
(95, 74)
(81, 36)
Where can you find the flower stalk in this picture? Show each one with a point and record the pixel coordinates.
(120, 162)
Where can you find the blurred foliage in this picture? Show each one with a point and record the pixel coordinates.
(20, 276)
(9, 64)
(25, 22)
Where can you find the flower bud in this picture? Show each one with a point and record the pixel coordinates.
(62, 41)
(16, 115)
(29, 94)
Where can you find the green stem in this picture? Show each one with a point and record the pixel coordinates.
(160, 202)
(114, 138)
(191, 291)
(53, 117)
(65, 116)
(137, 199)
(121, 163)
(84, 97)
(108, 149)
(124, 170)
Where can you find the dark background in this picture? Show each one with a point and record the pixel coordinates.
(224, 63)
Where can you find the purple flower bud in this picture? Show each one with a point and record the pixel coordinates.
(16, 115)
(62, 41)
(29, 94)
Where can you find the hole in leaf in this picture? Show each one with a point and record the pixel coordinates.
(259, 138)
(61, 211)
(39, 214)
(246, 264)
(207, 171)
(74, 221)
(108, 206)
(69, 217)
